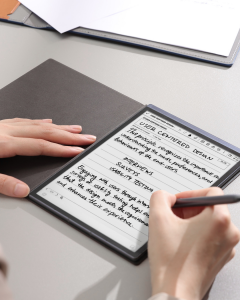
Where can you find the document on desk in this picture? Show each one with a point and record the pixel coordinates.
(65, 15)
(204, 25)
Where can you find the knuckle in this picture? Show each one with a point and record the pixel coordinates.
(48, 130)
(235, 237)
(223, 220)
(2, 182)
(216, 190)
(5, 145)
(4, 126)
(36, 123)
(71, 138)
(154, 195)
(42, 144)
(158, 194)
(4, 139)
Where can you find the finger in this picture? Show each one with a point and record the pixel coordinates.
(51, 134)
(13, 187)
(223, 227)
(69, 128)
(19, 120)
(187, 212)
(36, 147)
(222, 218)
(212, 191)
(161, 202)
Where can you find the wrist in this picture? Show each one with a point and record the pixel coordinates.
(175, 288)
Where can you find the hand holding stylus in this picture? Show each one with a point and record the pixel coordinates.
(188, 246)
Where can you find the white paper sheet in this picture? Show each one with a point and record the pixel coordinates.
(205, 25)
(65, 15)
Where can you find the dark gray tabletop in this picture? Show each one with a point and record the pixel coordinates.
(49, 259)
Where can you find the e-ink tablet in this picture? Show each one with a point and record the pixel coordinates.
(105, 191)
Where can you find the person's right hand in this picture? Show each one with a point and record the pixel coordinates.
(36, 137)
(188, 247)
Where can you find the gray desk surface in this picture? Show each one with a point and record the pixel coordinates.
(49, 259)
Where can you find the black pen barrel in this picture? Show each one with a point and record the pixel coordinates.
(206, 201)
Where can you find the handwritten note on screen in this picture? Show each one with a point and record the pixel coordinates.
(110, 188)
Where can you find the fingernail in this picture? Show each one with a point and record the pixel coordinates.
(77, 149)
(21, 190)
(47, 120)
(90, 137)
(76, 127)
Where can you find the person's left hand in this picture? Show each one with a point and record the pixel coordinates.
(36, 137)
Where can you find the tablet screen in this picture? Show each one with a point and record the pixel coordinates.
(109, 189)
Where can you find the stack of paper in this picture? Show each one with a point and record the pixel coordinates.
(205, 25)
(65, 15)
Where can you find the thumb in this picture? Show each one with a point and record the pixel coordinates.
(161, 202)
(13, 187)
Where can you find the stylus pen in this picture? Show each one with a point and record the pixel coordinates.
(206, 201)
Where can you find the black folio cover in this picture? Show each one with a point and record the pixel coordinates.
(55, 91)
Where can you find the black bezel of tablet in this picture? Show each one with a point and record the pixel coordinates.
(138, 256)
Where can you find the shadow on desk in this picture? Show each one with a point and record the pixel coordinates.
(124, 287)
(124, 282)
